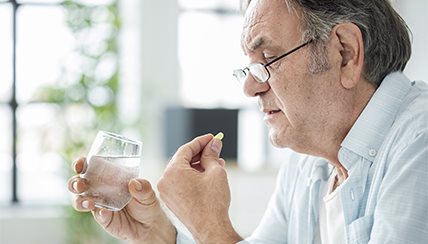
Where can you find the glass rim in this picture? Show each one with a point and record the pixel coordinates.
(118, 137)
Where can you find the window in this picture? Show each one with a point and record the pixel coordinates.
(31, 173)
(6, 52)
(5, 96)
(42, 45)
(5, 154)
(38, 51)
(6, 64)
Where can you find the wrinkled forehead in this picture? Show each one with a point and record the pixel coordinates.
(265, 23)
(255, 22)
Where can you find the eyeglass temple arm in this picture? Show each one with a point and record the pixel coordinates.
(288, 53)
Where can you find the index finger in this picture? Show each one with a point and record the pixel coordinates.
(191, 150)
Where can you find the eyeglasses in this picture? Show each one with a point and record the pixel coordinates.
(259, 71)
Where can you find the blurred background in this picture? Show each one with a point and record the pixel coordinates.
(155, 71)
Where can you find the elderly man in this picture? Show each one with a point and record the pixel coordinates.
(328, 78)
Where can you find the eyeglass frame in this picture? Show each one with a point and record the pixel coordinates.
(243, 71)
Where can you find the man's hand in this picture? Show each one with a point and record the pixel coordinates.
(141, 221)
(195, 187)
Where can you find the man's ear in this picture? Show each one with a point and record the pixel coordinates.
(351, 51)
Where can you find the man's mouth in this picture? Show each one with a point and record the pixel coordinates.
(273, 111)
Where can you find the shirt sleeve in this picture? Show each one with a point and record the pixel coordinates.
(401, 213)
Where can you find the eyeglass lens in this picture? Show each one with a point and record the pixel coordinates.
(259, 72)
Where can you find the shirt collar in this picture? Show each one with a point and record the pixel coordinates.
(369, 131)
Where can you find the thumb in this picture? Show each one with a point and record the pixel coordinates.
(144, 206)
(211, 153)
(142, 191)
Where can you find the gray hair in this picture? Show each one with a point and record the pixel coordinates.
(386, 37)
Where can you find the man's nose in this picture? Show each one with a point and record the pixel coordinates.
(252, 87)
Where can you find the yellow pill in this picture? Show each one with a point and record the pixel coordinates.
(219, 136)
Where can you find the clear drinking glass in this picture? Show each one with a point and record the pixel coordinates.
(112, 162)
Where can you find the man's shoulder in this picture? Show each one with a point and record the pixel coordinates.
(409, 133)
(412, 121)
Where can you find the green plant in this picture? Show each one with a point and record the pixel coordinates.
(87, 90)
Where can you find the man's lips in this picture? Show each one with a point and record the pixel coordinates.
(271, 115)
(274, 111)
(271, 111)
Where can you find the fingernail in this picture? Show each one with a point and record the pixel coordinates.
(137, 185)
(102, 215)
(85, 204)
(85, 166)
(216, 146)
(75, 185)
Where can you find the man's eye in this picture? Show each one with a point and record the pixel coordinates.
(269, 58)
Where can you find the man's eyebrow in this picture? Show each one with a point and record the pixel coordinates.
(250, 45)
(257, 43)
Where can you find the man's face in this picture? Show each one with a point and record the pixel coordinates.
(298, 104)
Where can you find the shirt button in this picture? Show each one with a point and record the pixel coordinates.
(352, 195)
(372, 152)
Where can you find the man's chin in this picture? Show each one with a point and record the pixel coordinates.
(276, 139)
